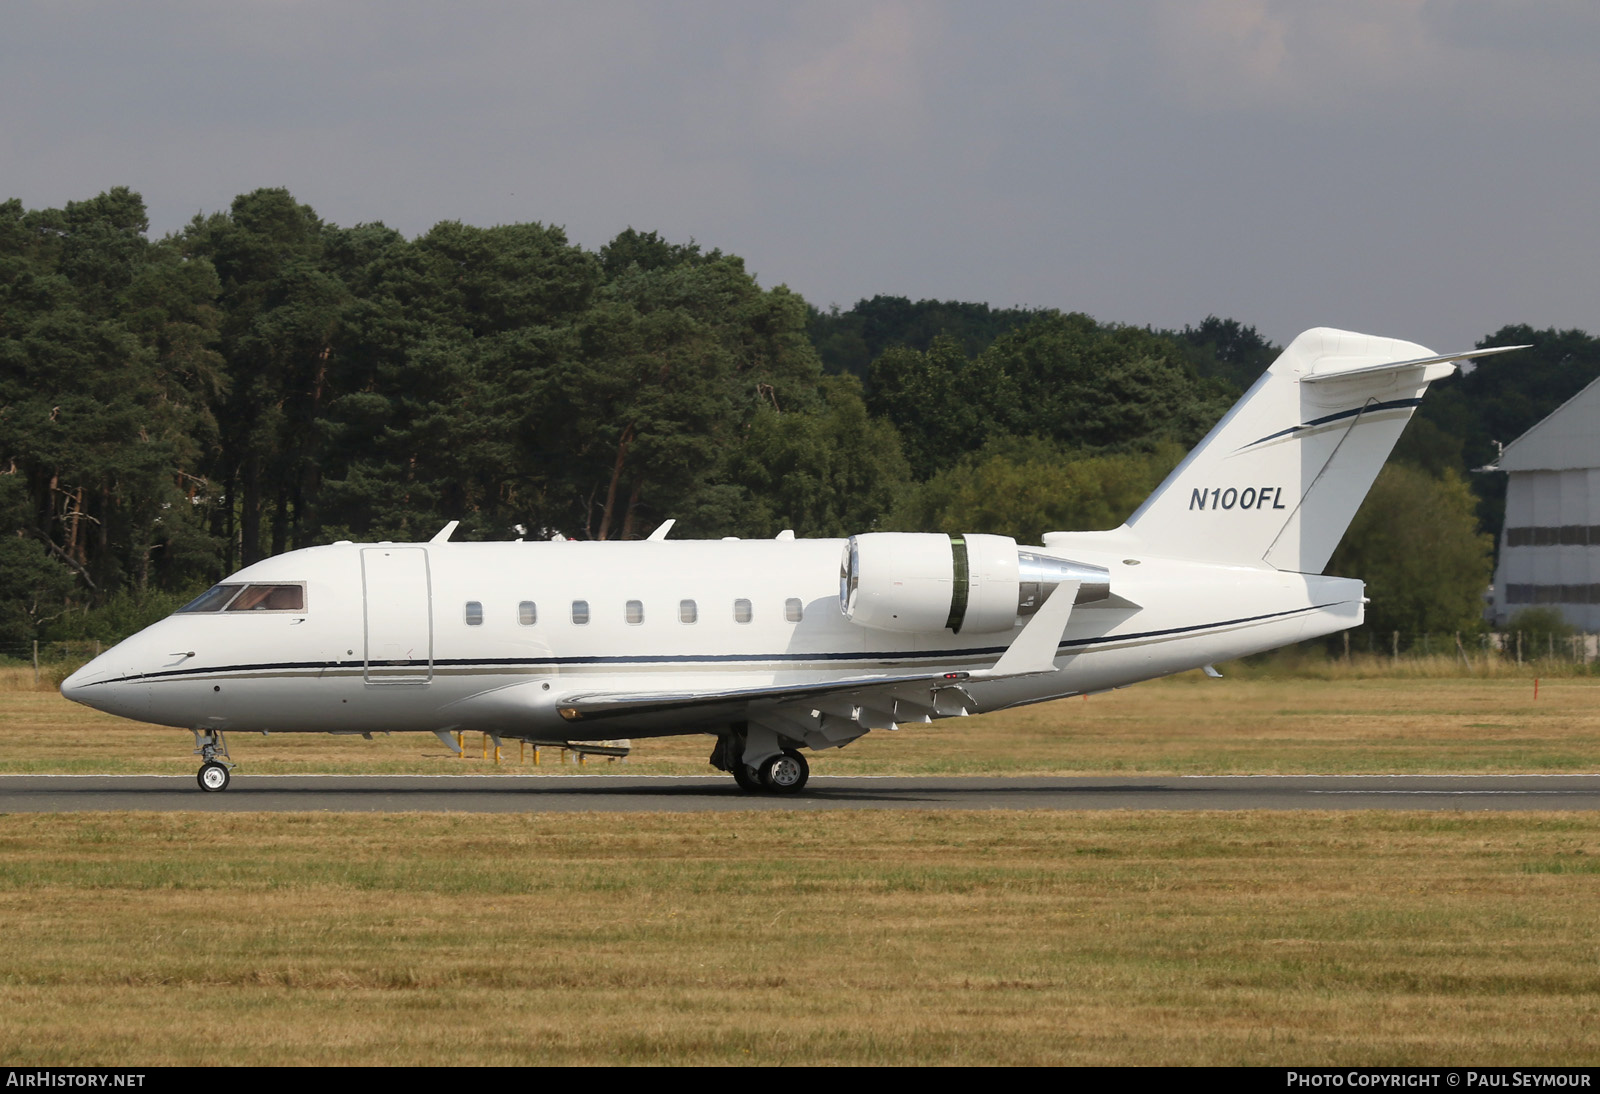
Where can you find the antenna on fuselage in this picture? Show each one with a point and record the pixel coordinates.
(662, 529)
(444, 534)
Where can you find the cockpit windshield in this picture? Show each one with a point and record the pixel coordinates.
(249, 598)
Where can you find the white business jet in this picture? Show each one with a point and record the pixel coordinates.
(775, 646)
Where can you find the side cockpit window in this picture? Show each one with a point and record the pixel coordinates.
(270, 598)
(213, 599)
(249, 598)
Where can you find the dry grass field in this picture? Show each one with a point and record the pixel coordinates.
(1344, 723)
(859, 938)
(872, 937)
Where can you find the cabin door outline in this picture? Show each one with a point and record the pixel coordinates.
(397, 615)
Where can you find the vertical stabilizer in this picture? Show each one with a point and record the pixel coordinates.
(1278, 480)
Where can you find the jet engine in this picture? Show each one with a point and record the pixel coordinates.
(926, 581)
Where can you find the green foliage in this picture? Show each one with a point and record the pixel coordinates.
(647, 251)
(107, 381)
(436, 402)
(1227, 350)
(942, 402)
(33, 592)
(1424, 445)
(831, 473)
(1025, 488)
(121, 614)
(1416, 544)
(1539, 624)
(850, 341)
(1104, 387)
(1065, 378)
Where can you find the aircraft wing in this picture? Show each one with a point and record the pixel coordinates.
(821, 714)
(828, 713)
(583, 708)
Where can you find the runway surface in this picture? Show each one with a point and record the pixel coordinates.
(624, 793)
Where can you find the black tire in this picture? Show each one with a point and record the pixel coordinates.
(213, 777)
(746, 779)
(785, 773)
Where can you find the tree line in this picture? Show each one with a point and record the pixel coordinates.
(263, 380)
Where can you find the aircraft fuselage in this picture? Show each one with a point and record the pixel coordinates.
(497, 637)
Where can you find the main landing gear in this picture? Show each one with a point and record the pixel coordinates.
(783, 773)
(209, 745)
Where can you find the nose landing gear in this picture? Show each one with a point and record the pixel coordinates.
(209, 745)
(213, 776)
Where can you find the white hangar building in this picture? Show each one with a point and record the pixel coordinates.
(1550, 548)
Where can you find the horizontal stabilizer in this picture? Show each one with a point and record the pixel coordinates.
(1327, 371)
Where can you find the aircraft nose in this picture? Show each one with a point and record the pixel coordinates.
(76, 687)
(99, 685)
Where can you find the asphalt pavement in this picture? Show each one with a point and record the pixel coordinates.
(545, 793)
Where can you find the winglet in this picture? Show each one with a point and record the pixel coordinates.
(444, 534)
(1034, 650)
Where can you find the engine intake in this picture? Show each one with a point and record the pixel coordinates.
(928, 581)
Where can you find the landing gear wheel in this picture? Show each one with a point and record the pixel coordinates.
(746, 779)
(785, 773)
(213, 777)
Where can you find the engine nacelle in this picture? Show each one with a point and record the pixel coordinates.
(928, 581)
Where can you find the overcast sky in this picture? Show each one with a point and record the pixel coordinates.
(1424, 169)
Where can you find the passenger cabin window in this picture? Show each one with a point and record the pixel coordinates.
(687, 612)
(527, 613)
(792, 611)
(741, 611)
(580, 612)
(635, 612)
(474, 613)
